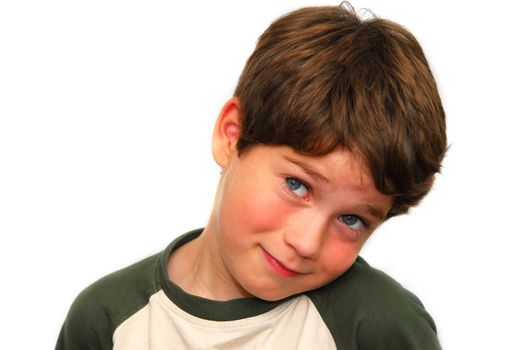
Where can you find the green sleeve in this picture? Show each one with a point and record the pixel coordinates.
(104, 305)
(398, 323)
(365, 309)
(86, 327)
(88, 324)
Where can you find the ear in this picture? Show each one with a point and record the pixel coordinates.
(226, 132)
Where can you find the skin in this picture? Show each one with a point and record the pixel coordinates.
(282, 223)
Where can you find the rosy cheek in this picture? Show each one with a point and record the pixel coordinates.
(263, 212)
(339, 256)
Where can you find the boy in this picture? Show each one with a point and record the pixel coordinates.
(335, 126)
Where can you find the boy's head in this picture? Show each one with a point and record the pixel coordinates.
(321, 78)
(336, 125)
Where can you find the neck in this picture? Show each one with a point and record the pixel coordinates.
(198, 268)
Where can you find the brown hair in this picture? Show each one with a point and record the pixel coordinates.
(322, 78)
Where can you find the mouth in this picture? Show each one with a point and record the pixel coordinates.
(277, 266)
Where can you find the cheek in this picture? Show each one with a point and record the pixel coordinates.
(339, 255)
(262, 212)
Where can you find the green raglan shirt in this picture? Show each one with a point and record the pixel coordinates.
(140, 308)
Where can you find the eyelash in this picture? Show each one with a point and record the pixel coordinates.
(293, 181)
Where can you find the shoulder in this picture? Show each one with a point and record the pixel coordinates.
(101, 307)
(368, 309)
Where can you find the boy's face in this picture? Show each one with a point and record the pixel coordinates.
(287, 223)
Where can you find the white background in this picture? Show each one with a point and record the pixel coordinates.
(106, 113)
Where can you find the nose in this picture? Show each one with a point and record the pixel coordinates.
(306, 235)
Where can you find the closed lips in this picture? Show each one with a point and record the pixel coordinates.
(278, 266)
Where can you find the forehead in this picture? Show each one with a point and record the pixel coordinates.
(339, 165)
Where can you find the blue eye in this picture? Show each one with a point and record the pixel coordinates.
(352, 221)
(297, 187)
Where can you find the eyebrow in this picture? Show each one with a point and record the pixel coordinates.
(378, 214)
(319, 177)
